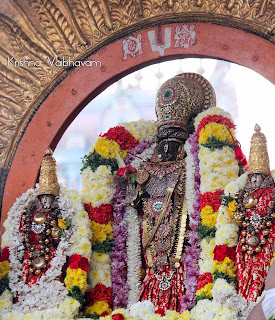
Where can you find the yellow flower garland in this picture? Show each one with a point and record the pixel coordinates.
(208, 216)
(206, 290)
(101, 231)
(218, 131)
(108, 148)
(227, 266)
(98, 307)
(76, 277)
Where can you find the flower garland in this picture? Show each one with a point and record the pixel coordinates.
(193, 198)
(218, 166)
(144, 310)
(145, 150)
(224, 269)
(214, 163)
(105, 204)
(53, 293)
(119, 250)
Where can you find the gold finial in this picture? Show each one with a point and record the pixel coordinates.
(258, 156)
(48, 182)
(49, 152)
(257, 128)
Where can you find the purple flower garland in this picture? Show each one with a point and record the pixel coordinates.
(119, 251)
(137, 150)
(193, 251)
(119, 255)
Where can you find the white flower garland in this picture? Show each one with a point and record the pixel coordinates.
(48, 294)
(215, 175)
(142, 310)
(133, 255)
(190, 172)
(217, 168)
(211, 111)
(142, 130)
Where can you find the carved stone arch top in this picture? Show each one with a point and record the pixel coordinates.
(35, 34)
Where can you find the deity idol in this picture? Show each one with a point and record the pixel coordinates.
(161, 189)
(45, 251)
(39, 224)
(255, 216)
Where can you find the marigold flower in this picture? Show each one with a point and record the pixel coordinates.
(101, 231)
(62, 223)
(76, 277)
(4, 268)
(98, 308)
(206, 290)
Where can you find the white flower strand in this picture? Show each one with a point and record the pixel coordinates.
(133, 239)
(190, 172)
(133, 255)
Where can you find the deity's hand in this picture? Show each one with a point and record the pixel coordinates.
(132, 195)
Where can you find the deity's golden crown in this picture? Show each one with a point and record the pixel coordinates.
(182, 97)
(48, 182)
(258, 155)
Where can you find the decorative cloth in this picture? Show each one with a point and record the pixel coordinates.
(252, 269)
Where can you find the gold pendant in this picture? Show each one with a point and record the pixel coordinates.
(39, 263)
(40, 218)
(249, 201)
(253, 241)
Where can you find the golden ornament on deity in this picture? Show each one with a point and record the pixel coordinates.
(40, 218)
(238, 217)
(253, 241)
(55, 233)
(249, 201)
(39, 263)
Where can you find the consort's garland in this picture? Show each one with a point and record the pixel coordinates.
(218, 166)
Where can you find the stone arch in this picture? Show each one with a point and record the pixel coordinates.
(47, 105)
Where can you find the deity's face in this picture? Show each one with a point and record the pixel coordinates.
(168, 150)
(46, 201)
(169, 142)
(255, 180)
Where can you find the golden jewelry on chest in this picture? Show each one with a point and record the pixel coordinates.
(40, 217)
(249, 201)
(254, 224)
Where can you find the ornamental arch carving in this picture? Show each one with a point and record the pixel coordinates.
(40, 95)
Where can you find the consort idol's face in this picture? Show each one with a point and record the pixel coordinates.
(255, 180)
(46, 201)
